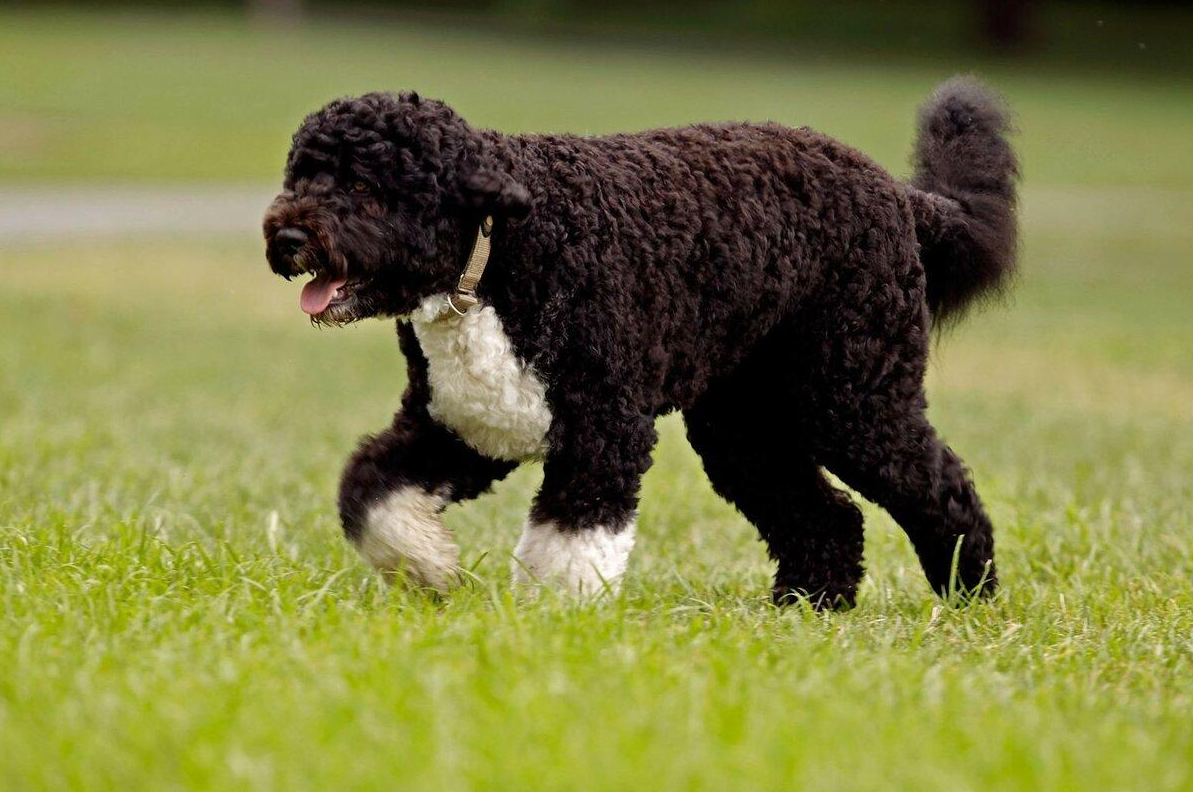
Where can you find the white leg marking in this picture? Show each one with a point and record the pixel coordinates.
(583, 563)
(404, 532)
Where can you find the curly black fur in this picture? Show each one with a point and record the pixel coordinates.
(965, 214)
(775, 285)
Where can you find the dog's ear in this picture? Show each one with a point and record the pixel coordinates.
(496, 193)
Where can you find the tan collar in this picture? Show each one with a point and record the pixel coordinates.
(464, 297)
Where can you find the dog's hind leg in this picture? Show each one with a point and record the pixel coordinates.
(866, 389)
(893, 456)
(755, 458)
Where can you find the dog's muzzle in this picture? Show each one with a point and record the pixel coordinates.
(287, 242)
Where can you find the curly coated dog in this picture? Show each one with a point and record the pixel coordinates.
(555, 294)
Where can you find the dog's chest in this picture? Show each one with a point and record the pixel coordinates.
(479, 388)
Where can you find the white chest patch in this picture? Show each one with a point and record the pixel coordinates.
(479, 388)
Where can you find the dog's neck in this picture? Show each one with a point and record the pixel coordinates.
(464, 297)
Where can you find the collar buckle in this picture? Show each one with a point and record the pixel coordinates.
(465, 297)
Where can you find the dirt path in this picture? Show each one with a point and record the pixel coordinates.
(46, 213)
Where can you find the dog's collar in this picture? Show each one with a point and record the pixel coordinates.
(464, 297)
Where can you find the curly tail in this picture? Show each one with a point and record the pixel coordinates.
(963, 196)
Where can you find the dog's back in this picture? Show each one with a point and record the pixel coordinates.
(700, 240)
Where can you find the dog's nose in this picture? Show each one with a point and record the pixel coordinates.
(289, 241)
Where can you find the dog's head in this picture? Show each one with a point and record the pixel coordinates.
(380, 204)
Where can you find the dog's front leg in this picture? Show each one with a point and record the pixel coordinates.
(581, 528)
(395, 488)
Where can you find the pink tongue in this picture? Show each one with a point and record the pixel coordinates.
(317, 294)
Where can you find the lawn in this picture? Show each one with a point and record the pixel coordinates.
(178, 611)
(188, 96)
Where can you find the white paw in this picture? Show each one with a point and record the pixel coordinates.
(404, 534)
(584, 563)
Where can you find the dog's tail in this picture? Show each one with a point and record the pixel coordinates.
(963, 196)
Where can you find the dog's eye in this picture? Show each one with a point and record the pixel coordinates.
(360, 187)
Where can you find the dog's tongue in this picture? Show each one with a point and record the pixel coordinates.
(317, 294)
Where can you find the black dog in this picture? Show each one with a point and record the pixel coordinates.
(776, 286)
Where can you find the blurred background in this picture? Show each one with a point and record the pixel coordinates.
(140, 144)
(211, 90)
(175, 598)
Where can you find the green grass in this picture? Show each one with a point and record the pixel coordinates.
(207, 97)
(177, 610)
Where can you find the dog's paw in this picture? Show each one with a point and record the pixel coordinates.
(821, 598)
(403, 536)
(584, 563)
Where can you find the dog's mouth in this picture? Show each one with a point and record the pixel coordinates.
(323, 291)
(339, 290)
(335, 301)
(332, 295)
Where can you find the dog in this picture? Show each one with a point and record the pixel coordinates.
(555, 294)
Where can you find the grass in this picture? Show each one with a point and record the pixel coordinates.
(89, 97)
(177, 610)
